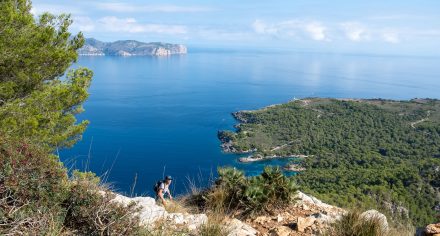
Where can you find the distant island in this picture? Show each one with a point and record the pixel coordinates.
(373, 152)
(93, 47)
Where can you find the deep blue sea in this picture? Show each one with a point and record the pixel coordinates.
(154, 115)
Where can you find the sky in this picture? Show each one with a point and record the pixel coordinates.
(401, 27)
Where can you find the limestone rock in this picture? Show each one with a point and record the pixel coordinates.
(323, 218)
(262, 220)
(373, 214)
(237, 228)
(303, 223)
(150, 213)
(433, 229)
(191, 222)
(280, 231)
(278, 218)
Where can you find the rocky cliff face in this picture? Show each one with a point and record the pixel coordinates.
(93, 47)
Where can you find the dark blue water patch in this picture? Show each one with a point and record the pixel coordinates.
(155, 116)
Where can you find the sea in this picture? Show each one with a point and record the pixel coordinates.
(156, 116)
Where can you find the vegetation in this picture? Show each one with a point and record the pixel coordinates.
(38, 105)
(36, 102)
(364, 153)
(38, 198)
(354, 223)
(233, 192)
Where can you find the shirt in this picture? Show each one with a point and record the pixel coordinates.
(165, 189)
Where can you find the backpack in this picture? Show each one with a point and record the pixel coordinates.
(157, 186)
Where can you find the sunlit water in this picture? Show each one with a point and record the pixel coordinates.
(154, 115)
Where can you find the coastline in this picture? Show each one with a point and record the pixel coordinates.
(258, 157)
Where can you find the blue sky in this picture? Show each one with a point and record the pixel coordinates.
(374, 26)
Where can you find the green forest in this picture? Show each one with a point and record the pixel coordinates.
(361, 153)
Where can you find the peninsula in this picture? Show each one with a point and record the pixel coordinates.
(375, 151)
(93, 47)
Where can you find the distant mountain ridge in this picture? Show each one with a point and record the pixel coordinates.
(94, 47)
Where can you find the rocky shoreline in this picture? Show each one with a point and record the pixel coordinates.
(294, 167)
(258, 157)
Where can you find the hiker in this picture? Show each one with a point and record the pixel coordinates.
(162, 188)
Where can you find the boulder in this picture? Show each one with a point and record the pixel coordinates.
(307, 202)
(373, 214)
(303, 223)
(433, 229)
(323, 218)
(236, 227)
(149, 211)
(280, 231)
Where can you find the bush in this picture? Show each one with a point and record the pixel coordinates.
(92, 212)
(38, 198)
(269, 189)
(32, 186)
(234, 192)
(354, 224)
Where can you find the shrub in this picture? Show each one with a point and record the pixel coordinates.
(92, 212)
(353, 224)
(32, 186)
(38, 198)
(269, 189)
(234, 192)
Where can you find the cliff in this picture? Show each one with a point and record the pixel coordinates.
(93, 47)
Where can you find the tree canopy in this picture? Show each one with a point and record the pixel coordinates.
(37, 99)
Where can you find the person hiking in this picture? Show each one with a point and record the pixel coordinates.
(162, 188)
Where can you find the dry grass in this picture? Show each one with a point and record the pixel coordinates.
(353, 224)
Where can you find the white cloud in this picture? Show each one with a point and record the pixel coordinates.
(259, 27)
(316, 31)
(84, 24)
(390, 37)
(129, 8)
(38, 9)
(356, 32)
(130, 25)
(292, 28)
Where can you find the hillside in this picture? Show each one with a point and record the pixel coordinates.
(93, 47)
(355, 153)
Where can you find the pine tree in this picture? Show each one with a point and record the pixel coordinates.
(38, 99)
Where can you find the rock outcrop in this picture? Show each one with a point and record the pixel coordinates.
(93, 47)
(308, 216)
(236, 227)
(150, 213)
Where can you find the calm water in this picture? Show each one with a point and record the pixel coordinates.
(154, 115)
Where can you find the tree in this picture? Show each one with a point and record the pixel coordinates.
(36, 100)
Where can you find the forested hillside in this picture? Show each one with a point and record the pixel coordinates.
(360, 152)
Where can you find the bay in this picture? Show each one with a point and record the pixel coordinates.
(151, 116)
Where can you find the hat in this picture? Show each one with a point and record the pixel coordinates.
(168, 177)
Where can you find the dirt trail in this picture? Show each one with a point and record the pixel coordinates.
(413, 124)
